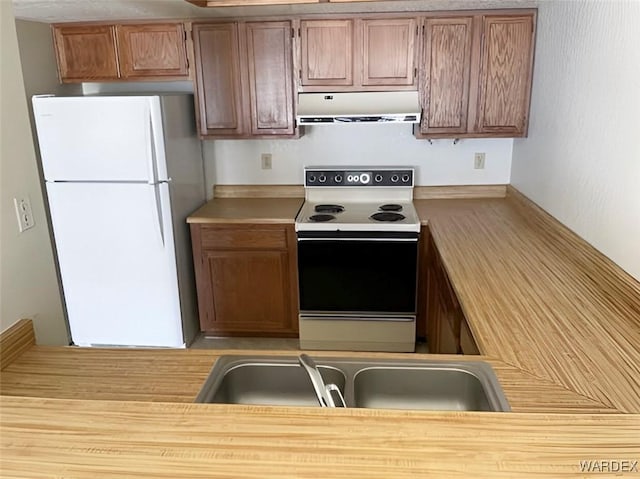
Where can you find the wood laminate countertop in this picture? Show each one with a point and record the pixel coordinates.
(163, 375)
(89, 439)
(559, 323)
(539, 298)
(247, 210)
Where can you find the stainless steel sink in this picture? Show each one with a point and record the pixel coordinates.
(234, 380)
(429, 388)
(364, 383)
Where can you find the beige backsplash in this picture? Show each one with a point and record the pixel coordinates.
(419, 192)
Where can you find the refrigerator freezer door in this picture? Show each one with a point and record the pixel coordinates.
(100, 138)
(117, 262)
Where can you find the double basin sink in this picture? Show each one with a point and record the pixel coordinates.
(362, 383)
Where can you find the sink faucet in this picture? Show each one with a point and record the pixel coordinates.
(323, 392)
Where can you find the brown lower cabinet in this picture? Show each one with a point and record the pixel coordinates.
(441, 316)
(246, 279)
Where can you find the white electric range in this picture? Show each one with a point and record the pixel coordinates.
(357, 259)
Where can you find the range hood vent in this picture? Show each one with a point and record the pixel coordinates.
(360, 107)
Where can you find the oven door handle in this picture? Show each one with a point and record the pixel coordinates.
(356, 317)
(338, 238)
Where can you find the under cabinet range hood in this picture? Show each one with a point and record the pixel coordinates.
(359, 107)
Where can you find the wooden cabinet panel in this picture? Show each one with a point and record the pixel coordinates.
(244, 79)
(476, 75)
(448, 340)
(327, 52)
(423, 281)
(389, 51)
(253, 238)
(354, 54)
(218, 78)
(445, 79)
(249, 289)
(152, 50)
(86, 53)
(467, 343)
(269, 59)
(246, 279)
(445, 321)
(432, 310)
(505, 74)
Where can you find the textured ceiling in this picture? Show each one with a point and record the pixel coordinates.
(50, 11)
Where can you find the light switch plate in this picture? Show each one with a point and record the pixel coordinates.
(24, 213)
(265, 160)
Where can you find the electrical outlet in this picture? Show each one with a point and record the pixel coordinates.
(478, 161)
(265, 159)
(25, 215)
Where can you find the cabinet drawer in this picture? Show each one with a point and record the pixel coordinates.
(250, 238)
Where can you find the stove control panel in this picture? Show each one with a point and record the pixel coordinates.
(317, 177)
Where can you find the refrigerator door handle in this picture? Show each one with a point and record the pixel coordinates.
(157, 206)
(153, 160)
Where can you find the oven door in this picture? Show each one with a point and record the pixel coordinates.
(358, 275)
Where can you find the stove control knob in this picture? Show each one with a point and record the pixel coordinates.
(405, 178)
(337, 178)
(378, 178)
(311, 178)
(322, 179)
(365, 178)
(395, 178)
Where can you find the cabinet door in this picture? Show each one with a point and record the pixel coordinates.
(327, 52)
(505, 74)
(467, 343)
(269, 61)
(433, 310)
(448, 339)
(86, 53)
(445, 78)
(219, 87)
(249, 290)
(152, 50)
(389, 52)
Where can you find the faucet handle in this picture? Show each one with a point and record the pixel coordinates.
(331, 388)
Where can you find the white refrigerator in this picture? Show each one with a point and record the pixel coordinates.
(122, 173)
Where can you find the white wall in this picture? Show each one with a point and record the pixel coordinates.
(28, 282)
(581, 161)
(442, 163)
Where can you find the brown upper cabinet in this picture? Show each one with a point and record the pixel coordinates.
(327, 52)
(388, 56)
(476, 75)
(505, 74)
(244, 79)
(357, 54)
(121, 52)
(446, 68)
(154, 50)
(269, 60)
(218, 81)
(86, 53)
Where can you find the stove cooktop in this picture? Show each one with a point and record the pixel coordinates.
(358, 199)
(359, 216)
